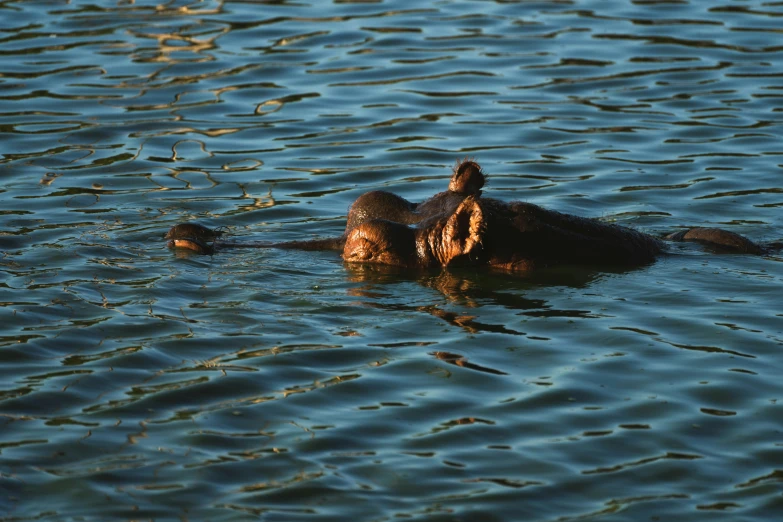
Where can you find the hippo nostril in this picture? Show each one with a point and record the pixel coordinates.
(359, 248)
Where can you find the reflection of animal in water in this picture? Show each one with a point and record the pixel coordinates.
(460, 227)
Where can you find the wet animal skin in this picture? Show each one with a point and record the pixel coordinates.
(460, 227)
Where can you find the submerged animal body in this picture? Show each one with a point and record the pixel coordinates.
(460, 227)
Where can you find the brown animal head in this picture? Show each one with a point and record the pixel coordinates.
(439, 241)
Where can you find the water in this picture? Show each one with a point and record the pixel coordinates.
(140, 383)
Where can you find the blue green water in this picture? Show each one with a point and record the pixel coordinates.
(139, 383)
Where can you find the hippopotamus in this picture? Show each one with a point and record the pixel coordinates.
(460, 227)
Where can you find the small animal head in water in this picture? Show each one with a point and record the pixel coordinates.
(194, 231)
(192, 244)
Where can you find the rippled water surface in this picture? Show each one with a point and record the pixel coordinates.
(139, 383)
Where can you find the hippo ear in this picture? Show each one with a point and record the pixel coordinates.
(462, 235)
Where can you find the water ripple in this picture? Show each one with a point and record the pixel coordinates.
(138, 382)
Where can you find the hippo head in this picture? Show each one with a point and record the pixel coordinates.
(441, 240)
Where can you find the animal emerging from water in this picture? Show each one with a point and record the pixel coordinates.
(461, 227)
